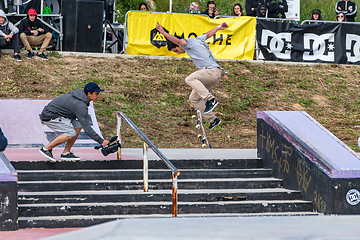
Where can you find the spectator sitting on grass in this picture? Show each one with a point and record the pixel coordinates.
(9, 37)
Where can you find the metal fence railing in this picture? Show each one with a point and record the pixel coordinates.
(148, 143)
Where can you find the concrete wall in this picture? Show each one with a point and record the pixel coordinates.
(310, 159)
(8, 195)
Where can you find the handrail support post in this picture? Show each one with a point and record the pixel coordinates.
(118, 131)
(174, 194)
(145, 168)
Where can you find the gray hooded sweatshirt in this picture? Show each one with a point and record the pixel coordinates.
(72, 105)
(7, 27)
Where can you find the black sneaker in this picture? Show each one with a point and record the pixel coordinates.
(210, 105)
(42, 56)
(17, 58)
(214, 124)
(30, 55)
(48, 154)
(69, 156)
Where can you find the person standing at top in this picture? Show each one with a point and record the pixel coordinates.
(316, 15)
(211, 10)
(237, 10)
(144, 7)
(251, 6)
(208, 75)
(341, 17)
(194, 8)
(261, 11)
(348, 8)
(277, 8)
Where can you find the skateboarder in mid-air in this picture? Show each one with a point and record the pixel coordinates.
(208, 75)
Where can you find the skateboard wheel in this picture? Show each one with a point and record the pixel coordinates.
(199, 136)
(204, 145)
(198, 126)
(193, 116)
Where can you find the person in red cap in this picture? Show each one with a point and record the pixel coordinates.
(34, 33)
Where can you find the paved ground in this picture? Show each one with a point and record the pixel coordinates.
(33, 234)
(285, 227)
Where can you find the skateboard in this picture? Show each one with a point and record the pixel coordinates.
(198, 121)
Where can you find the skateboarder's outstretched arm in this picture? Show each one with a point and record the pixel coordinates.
(222, 26)
(179, 42)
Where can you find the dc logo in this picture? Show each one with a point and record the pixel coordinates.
(278, 43)
(353, 47)
(353, 197)
(319, 47)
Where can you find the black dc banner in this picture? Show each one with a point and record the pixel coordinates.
(323, 42)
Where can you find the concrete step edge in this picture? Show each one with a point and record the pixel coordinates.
(155, 180)
(91, 217)
(140, 170)
(166, 191)
(263, 202)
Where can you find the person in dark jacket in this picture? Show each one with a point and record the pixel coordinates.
(9, 36)
(34, 33)
(347, 7)
(67, 115)
(211, 10)
(261, 10)
(277, 8)
(251, 6)
(3, 141)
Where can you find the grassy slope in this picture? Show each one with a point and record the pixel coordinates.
(154, 96)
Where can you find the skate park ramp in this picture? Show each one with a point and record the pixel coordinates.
(311, 159)
(21, 124)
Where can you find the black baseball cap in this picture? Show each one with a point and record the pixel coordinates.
(92, 87)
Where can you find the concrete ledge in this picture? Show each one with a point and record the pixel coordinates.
(310, 159)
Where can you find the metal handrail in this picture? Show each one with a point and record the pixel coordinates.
(59, 31)
(323, 21)
(147, 142)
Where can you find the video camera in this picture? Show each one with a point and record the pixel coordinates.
(111, 148)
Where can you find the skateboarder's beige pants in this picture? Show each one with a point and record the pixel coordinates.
(201, 82)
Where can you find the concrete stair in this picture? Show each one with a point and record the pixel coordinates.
(84, 193)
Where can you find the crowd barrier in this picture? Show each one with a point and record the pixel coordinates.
(311, 41)
(236, 42)
(58, 30)
(276, 39)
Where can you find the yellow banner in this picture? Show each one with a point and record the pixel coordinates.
(235, 42)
